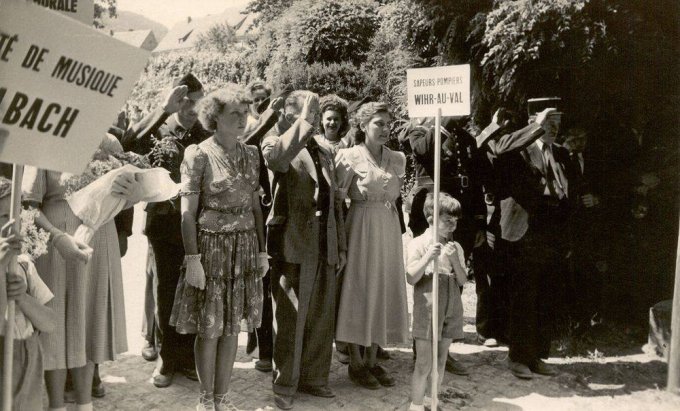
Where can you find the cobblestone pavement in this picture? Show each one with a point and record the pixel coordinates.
(633, 382)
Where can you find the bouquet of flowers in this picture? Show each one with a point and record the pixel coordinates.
(95, 205)
(35, 239)
(102, 162)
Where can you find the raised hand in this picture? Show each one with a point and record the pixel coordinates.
(310, 109)
(542, 117)
(173, 100)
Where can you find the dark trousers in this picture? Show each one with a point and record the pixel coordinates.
(492, 294)
(537, 269)
(304, 324)
(150, 330)
(177, 350)
(264, 332)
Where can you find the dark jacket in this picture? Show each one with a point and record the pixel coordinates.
(163, 219)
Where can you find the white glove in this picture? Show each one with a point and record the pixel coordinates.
(195, 276)
(262, 263)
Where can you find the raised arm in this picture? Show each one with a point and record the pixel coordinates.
(279, 151)
(137, 136)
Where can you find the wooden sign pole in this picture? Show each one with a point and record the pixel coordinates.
(15, 213)
(435, 275)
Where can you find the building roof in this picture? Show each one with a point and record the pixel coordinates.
(134, 37)
(183, 35)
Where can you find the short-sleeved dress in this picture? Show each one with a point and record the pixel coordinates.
(27, 369)
(88, 298)
(372, 306)
(227, 241)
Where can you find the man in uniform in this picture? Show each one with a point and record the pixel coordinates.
(534, 220)
(164, 134)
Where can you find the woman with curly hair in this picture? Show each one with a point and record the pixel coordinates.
(334, 122)
(372, 307)
(224, 244)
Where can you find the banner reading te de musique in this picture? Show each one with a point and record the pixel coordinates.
(61, 86)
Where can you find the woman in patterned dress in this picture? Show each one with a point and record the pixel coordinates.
(224, 243)
(372, 307)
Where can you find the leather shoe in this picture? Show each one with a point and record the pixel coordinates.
(98, 390)
(317, 391)
(539, 367)
(362, 377)
(382, 376)
(263, 365)
(284, 402)
(163, 380)
(456, 367)
(382, 354)
(520, 370)
(190, 373)
(149, 352)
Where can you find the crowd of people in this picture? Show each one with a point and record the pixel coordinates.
(290, 226)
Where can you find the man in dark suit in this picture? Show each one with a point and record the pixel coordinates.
(586, 259)
(164, 134)
(491, 278)
(535, 210)
(306, 240)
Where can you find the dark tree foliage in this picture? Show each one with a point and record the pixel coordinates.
(103, 8)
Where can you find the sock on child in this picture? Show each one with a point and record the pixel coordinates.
(414, 407)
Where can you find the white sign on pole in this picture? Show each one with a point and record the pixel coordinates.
(61, 86)
(445, 87)
(81, 10)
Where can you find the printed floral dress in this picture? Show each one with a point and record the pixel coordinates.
(227, 242)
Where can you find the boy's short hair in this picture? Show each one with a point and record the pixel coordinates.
(447, 205)
(5, 187)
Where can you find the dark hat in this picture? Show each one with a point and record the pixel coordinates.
(195, 88)
(354, 106)
(283, 94)
(536, 105)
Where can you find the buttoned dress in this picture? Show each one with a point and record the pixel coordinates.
(372, 307)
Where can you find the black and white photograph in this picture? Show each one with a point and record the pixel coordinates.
(410, 205)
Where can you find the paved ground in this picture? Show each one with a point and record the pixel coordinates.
(597, 382)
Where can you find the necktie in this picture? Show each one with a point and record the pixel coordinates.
(553, 186)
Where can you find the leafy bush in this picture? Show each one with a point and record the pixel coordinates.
(211, 68)
(327, 31)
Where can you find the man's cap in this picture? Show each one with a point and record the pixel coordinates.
(536, 105)
(194, 86)
(354, 105)
(283, 93)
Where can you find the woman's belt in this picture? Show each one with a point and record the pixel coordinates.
(237, 210)
(374, 204)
